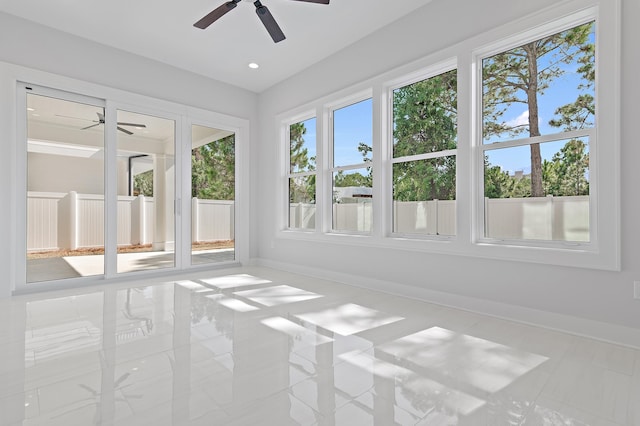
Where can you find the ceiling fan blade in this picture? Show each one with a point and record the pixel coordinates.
(216, 14)
(316, 1)
(93, 125)
(124, 130)
(269, 22)
(132, 124)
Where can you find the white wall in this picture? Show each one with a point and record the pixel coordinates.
(590, 294)
(30, 51)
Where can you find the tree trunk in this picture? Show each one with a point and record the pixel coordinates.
(534, 129)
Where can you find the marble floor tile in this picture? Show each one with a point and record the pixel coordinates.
(257, 346)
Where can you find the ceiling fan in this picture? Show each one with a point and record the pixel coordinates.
(101, 121)
(262, 11)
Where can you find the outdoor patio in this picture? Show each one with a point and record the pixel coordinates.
(54, 268)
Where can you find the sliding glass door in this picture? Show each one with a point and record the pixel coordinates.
(65, 188)
(146, 192)
(212, 195)
(106, 188)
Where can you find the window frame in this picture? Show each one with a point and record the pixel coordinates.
(416, 77)
(603, 249)
(286, 130)
(330, 109)
(548, 28)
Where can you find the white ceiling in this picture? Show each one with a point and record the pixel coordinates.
(163, 30)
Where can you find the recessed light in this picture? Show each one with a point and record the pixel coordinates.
(254, 66)
(36, 115)
(30, 109)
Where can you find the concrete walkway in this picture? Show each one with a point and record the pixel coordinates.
(57, 268)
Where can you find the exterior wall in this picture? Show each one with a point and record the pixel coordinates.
(57, 173)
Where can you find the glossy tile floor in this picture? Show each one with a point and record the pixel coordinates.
(256, 346)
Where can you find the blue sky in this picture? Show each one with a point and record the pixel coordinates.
(351, 125)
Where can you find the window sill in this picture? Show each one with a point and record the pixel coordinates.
(557, 254)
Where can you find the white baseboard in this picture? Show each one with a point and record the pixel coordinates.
(607, 332)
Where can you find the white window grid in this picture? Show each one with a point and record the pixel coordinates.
(413, 78)
(333, 169)
(576, 19)
(293, 175)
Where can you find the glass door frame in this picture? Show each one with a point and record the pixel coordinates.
(113, 100)
(24, 89)
(111, 214)
(240, 128)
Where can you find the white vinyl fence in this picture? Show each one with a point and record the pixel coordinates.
(353, 216)
(433, 217)
(72, 220)
(540, 218)
(544, 218)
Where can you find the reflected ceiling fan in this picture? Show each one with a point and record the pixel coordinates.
(101, 121)
(262, 11)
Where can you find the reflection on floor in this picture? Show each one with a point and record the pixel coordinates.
(255, 346)
(57, 268)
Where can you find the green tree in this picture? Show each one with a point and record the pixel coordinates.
(496, 182)
(499, 184)
(425, 121)
(571, 165)
(143, 184)
(343, 179)
(522, 75)
(299, 154)
(301, 189)
(551, 178)
(213, 170)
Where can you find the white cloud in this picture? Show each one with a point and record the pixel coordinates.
(522, 119)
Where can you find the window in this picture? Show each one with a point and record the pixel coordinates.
(503, 146)
(424, 156)
(352, 174)
(538, 120)
(302, 174)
